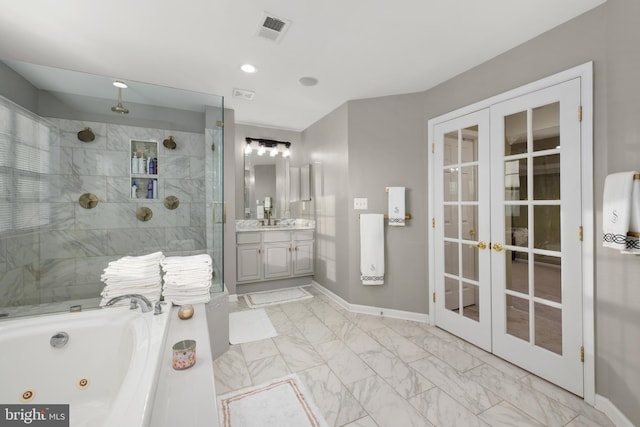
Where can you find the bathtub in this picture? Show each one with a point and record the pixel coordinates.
(107, 371)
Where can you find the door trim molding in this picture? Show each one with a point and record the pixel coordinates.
(585, 73)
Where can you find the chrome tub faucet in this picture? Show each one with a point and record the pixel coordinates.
(136, 299)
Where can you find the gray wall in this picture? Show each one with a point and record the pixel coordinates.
(387, 148)
(14, 87)
(327, 142)
(609, 36)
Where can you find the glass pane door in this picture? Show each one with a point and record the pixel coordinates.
(536, 249)
(461, 156)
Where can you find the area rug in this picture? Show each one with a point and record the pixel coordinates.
(284, 402)
(279, 296)
(250, 325)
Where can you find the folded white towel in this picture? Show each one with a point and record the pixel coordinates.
(396, 206)
(372, 249)
(186, 292)
(616, 209)
(179, 260)
(177, 300)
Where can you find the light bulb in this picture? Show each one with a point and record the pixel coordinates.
(247, 149)
(274, 152)
(286, 153)
(261, 150)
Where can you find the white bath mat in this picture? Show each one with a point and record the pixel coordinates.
(279, 296)
(250, 325)
(280, 403)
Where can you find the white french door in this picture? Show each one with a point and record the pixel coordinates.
(462, 255)
(535, 233)
(507, 213)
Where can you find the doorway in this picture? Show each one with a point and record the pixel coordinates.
(508, 203)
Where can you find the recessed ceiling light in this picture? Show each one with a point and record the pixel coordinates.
(119, 84)
(248, 68)
(308, 81)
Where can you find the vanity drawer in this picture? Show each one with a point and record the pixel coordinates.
(276, 236)
(244, 238)
(303, 235)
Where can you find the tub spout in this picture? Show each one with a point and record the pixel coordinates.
(136, 299)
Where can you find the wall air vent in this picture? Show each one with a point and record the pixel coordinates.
(272, 27)
(245, 94)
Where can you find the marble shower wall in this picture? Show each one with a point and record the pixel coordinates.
(52, 249)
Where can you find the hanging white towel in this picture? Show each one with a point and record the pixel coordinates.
(396, 206)
(372, 249)
(618, 199)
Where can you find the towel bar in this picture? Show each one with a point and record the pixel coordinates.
(407, 216)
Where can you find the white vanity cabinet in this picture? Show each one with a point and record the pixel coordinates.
(302, 252)
(273, 254)
(276, 246)
(249, 257)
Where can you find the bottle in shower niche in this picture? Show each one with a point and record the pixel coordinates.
(142, 164)
(150, 189)
(134, 190)
(134, 163)
(151, 166)
(155, 188)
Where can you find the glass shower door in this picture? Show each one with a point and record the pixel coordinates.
(216, 207)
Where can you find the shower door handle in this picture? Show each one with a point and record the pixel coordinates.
(223, 205)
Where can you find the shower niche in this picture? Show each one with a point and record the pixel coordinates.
(144, 169)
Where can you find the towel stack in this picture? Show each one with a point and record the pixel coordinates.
(133, 275)
(187, 279)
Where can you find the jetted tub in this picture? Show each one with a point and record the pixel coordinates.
(106, 372)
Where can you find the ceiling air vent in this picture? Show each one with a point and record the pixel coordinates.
(245, 94)
(272, 27)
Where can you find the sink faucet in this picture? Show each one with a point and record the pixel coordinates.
(268, 216)
(145, 304)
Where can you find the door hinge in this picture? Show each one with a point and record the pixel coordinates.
(434, 297)
(580, 233)
(219, 123)
(582, 354)
(580, 113)
(433, 147)
(433, 223)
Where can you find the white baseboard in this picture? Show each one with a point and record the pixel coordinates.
(618, 418)
(373, 311)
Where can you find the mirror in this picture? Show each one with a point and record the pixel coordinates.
(266, 176)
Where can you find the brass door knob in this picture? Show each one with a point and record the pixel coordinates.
(481, 245)
(497, 247)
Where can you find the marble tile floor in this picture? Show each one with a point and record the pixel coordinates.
(367, 371)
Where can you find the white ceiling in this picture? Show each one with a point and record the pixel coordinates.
(355, 48)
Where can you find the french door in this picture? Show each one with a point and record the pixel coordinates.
(507, 193)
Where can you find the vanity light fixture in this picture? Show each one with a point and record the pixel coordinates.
(120, 84)
(262, 145)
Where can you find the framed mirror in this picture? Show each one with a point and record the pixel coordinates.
(266, 176)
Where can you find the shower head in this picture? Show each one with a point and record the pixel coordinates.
(120, 109)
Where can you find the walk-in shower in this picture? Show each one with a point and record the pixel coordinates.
(71, 203)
